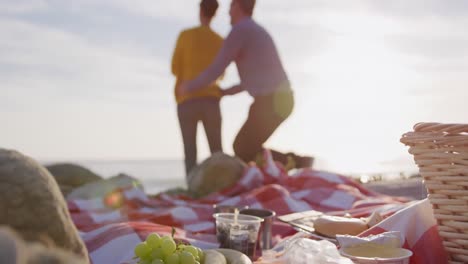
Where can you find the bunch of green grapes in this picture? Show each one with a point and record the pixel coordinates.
(164, 250)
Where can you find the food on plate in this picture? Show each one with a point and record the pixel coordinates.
(234, 256)
(373, 250)
(271, 257)
(373, 219)
(336, 225)
(165, 250)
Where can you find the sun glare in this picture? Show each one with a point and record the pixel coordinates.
(364, 77)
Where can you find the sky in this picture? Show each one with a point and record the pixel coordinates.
(90, 79)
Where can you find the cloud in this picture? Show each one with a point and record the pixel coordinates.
(94, 75)
(424, 18)
(428, 34)
(433, 47)
(46, 62)
(418, 9)
(22, 6)
(162, 9)
(451, 68)
(304, 12)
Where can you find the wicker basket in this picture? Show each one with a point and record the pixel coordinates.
(441, 152)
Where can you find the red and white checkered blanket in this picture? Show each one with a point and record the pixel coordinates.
(111, 234)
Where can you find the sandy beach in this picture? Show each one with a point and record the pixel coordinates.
(411, 188)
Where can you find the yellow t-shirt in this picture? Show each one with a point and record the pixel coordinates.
(195, 50)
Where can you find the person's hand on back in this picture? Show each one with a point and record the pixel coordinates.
(232, 90)
(181, 89)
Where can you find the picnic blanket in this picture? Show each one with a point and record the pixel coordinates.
(111, 226)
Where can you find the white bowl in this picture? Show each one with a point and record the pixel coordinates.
(401, 256)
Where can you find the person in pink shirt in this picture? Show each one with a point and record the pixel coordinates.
(262, 75)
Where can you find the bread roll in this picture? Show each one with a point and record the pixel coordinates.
(373, 219)
(331, 226)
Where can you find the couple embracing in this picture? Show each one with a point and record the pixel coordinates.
(199, 61)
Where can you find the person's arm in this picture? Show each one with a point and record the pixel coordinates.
(230, 50)
(177, 57)
(233, 90)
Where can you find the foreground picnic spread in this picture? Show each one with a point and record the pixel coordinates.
(111, 226)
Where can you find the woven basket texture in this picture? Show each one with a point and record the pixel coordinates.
(441, 153)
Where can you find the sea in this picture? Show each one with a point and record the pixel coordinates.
(160, 175)
(155, 175)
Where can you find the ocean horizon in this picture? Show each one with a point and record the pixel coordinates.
(92, 79)
(155, 175)
(158, 175)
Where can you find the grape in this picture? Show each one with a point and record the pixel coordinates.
(167, 238)
(146, 261)
(192, 250)
(181, 246)
(168, 246)
(201, 255)
(164, 250)
(157, 254)
(142, 250)
(187, 258)
(153, 240)
(173, 259)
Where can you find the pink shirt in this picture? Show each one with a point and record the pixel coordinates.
(257, 59)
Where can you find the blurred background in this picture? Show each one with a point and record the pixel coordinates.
(89, 81)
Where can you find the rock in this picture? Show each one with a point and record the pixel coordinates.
(9, 248)
(32, 205)
(103, 187)
(14, 250)
(214, 174)
(71, 176)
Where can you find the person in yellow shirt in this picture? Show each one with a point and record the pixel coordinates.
(195, 50)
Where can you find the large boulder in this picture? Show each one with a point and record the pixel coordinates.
(14, 250)
(104, 187)
(214, 174)
(32, 205)
(71, 176)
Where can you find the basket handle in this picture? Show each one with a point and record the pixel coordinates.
(438, 127)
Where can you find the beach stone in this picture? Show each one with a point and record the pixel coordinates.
(31, 203)
(14, 250)
(214, 174)
(71, 176)
(103, 187)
